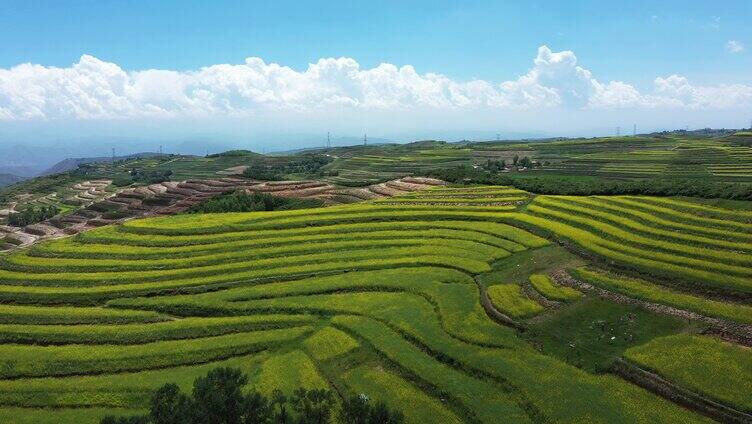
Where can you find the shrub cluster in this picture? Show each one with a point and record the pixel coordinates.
(308, 164)
(32, 215)
(149, 177)
(242, 202)
(232, 154)
(218, 398)
(262, 172)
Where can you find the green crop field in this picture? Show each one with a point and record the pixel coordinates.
(386, 298)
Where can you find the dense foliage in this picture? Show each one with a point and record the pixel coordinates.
(552, 184)
(218, 398)
(232, 154)
(149, 177)
(242, 202)
(306, 164)
(32, 215)
(263, 172)
(649, 187)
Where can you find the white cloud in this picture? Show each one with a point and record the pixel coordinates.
(94, 90)
(677, 89)
(734, 46)
(715, 23)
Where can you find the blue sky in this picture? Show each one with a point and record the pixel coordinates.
(706, 44)
(489, 40)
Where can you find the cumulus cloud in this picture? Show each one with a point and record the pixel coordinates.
(734, 46)
(93, 89)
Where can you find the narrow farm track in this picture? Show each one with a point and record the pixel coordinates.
(100, 319)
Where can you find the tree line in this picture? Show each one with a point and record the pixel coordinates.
(218, 398)
(32, 215)
(556, 184)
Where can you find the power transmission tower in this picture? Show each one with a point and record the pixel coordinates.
(634, 130)
(113, 155)
(160, 152)
(365, 139)
(498, 136)
(328, 140)
(618, 131)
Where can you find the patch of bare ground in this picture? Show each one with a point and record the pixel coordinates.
(235, 170)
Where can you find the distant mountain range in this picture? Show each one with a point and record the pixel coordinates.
(73, 163)
(29, 159)
(8, 179)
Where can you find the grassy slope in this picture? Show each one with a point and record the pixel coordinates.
(411, 308)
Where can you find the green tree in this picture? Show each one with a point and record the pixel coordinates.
(381, 414)
(358, 409)
(135, 419)
(355, 410)
(170, 406)
(312, 406)
(256, 409)
(218, 396)
(280, 415)
(218, 399)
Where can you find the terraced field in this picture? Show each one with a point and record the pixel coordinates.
(413, 300)
(376, 163)
(723, 158)
(707, 247)
(173, 197)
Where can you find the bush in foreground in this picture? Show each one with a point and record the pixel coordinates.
(218, 398)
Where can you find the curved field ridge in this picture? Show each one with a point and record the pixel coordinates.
(650, 292)
(376, 298)
(717, 369)
(676, 244)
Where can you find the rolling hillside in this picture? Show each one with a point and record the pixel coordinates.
(473, 304)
